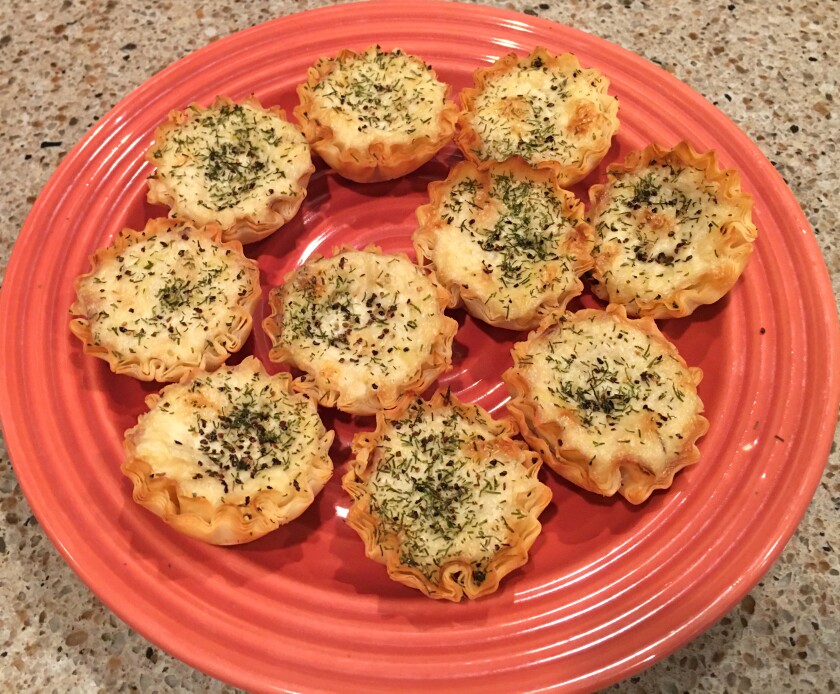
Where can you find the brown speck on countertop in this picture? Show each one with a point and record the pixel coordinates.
(770, 66)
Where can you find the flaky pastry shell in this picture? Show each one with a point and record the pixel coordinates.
(701, 249)
(476, 555)
(583, 126)
(331, 377)
(163, 335)
(266, 196)
(477, 272)
(246, 498)
(643, 425)
(389, 153)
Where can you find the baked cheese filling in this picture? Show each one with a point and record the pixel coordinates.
(379, 94)
(167, 295)
(658, 230)
(441, 490)
(540, 113)
(509, 239)
(230, 161)
(360, 320)
(617, 392)
(229, 435)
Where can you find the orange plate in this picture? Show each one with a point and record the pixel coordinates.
(610, 587)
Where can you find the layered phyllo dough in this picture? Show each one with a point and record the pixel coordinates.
(238, 165)
(607, 401)
(229, 456)
(375, 115)
(160, 302)
(364, 327)
(673, 231)
(506, 241)
(444, 497)
(544, 108)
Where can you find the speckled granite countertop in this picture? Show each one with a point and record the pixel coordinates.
(770, 66)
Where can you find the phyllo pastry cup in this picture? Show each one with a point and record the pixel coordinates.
(545, 108)
(444, 497)
(237, 165)
(364, 327)
(228, 456)
(673, 231)
(607, 401)
(163, 301)
(506, 241)
(375, 115)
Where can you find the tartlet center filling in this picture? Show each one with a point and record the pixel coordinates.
(518, 225)
(357, 313)
(658, 227)
(243, 436)
(436, 494)
(166, 293)
(522, 112)
(387, 92)
(622, 391)
(232, 154)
